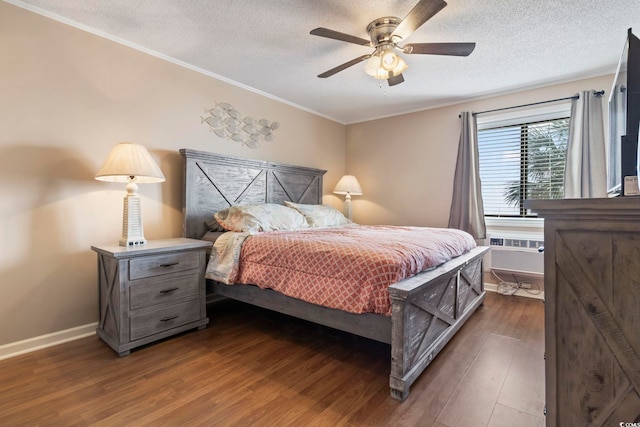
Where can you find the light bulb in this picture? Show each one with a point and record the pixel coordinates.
(389, 60)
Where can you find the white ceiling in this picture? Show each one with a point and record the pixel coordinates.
(266, 45)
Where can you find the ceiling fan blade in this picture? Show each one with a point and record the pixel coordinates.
(421, 13)
(395, 80)
(453, 49)
(344, 66)
(336, 35)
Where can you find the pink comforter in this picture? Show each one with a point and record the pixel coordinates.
(348, 268)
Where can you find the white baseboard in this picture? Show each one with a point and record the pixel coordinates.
(36, 343)
(492, 287)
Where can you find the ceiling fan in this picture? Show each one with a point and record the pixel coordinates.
(386, 34)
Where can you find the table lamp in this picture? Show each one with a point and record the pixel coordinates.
(348, 185)
(130, 163)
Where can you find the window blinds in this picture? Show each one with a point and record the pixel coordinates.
(519, 162)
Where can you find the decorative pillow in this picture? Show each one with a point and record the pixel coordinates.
(263, 217)
(320, 215)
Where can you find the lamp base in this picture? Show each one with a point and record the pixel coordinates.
(132, 230)
(347, 206)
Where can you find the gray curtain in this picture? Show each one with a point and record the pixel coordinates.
(585, 173)
(467, 211)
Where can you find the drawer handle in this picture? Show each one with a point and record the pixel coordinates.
(168, 291)
(170, 264)
(166, 319)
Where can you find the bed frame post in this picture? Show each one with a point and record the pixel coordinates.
(399, 352)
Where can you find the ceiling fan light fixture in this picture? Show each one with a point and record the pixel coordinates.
(384, 63)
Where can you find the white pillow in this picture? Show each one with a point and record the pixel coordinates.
(320, 215)
(262, 217)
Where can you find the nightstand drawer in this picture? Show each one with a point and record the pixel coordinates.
(150, 266)
(148, 292)
(161, 320)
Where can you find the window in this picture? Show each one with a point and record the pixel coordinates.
(520, 161)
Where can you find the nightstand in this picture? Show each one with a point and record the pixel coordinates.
(151, 291)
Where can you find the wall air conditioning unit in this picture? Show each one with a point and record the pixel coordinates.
(516, 254)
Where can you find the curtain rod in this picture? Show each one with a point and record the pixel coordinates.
(600, 93)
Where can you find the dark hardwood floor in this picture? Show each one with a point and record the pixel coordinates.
(255, 367)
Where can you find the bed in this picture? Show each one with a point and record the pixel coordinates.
(427, 309)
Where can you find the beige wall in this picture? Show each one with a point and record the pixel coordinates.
(405, 164)
(66, 98)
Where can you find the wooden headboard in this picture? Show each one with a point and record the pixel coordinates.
(213, 182)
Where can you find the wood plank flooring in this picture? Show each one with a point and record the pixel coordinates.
(255, 367)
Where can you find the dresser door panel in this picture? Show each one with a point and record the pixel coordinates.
(598, 370)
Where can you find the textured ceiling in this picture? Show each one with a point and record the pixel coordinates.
(266, 45)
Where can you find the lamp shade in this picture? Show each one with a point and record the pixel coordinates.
(348, 184)
(130, 160)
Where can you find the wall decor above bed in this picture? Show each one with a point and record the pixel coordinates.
(227, 122)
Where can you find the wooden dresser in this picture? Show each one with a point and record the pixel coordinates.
(151, 291)
(592, 310)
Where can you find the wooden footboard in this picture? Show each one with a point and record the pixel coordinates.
(428, 309)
